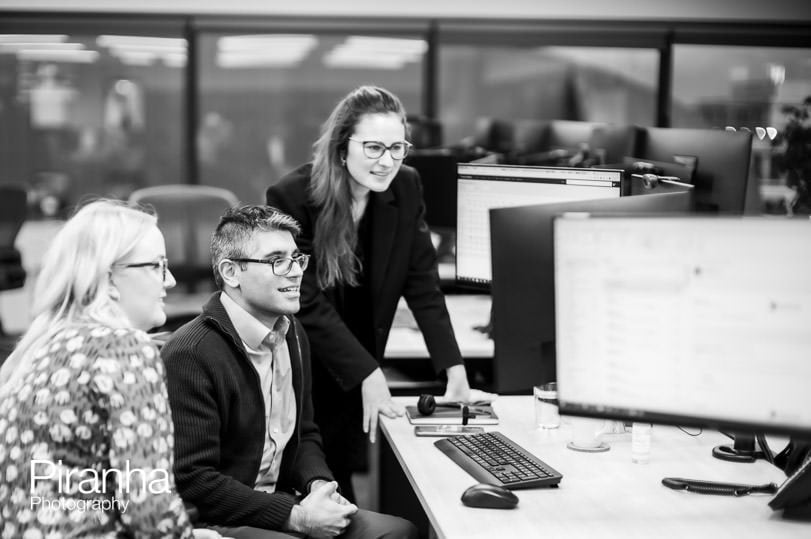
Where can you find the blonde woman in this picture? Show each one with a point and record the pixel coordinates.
(85, 427)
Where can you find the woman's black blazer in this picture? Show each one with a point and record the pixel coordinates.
(403, 263)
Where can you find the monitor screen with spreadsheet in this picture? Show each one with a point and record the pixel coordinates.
(700, 321)
(482, 187)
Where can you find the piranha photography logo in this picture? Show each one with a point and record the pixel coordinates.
(56, 486)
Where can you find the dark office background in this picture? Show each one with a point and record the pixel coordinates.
(106, 102)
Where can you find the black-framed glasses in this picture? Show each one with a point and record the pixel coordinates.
(161, 264)
(280, 266)
(374, 149)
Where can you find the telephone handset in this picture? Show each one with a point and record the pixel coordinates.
(794, 495)
(714, 487)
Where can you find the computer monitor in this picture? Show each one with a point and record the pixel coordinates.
(722, 160)
(437, 170)
(692, 321)
(523, 282)
(481, 187)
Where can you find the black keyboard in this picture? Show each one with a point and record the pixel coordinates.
(493, 458)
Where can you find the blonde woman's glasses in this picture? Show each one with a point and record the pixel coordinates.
(161, 264)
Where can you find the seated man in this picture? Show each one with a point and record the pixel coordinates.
(248, 455)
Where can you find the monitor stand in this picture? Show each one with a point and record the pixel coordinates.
(743, 450)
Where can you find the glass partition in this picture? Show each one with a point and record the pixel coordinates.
(264, 96)
(615, 85)
(750, 88)
(90, 113)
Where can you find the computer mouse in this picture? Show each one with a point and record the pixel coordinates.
(489, 496)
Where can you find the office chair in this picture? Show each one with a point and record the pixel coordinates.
(424, 132)
(490, 141)
(558, 142)
(615, 141)
(493, 134)
(13, 208)
(187, 216)
(530, 136)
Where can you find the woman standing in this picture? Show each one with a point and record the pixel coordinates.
(85, 427)
(362, 218)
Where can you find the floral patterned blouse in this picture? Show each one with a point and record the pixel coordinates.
(86, 441)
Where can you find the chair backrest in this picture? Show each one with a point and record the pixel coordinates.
(615, 141)
(569, 134)
(13, 209)
(530, 136)
(424, 132)
(493, 134)
(187, 216)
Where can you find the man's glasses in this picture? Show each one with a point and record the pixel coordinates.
(374, 149)
(162, 264)
(280, 266)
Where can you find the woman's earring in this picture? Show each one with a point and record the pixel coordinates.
(343, 161)
(114, 294)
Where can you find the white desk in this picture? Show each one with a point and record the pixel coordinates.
(466, 311)
(601, 494)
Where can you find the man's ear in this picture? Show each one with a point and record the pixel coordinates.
(229, 272)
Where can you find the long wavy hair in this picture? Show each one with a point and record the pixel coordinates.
(335, 235)
(74, 284)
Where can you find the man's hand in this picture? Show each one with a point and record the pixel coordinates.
(318, 515)
(377, 400)
(336, 496)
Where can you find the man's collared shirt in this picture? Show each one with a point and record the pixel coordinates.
(268, 352)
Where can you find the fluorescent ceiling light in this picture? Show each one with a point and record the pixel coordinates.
(250, 42)
(266, 50)
(375, 52)
(240, 61)
(148, 47)
(386, 44)
(136, 58)
(46, 55)
(363, 61)
(33, 38)
(174, 60)
(141, 41)
(18, 45)
(145, 50)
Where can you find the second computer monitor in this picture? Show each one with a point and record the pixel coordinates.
(523, 282)
(482, 187)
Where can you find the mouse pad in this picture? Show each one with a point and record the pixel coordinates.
(484, 415)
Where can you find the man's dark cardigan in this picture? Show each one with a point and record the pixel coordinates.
(219, 419)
